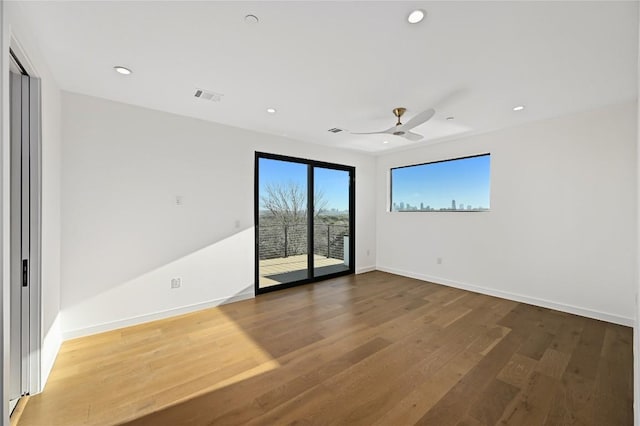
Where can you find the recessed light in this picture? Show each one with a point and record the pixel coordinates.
(518, 108)
(251, 19)
(416, 16)
(271, 110)
(450, 118)
(122, 70)
(385, 141)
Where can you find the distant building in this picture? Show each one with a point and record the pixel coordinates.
(453, 204)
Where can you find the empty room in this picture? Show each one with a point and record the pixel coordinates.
(319, 212)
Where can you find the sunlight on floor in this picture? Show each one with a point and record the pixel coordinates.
(123, 374)
(241, 339)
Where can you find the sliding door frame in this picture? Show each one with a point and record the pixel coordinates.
(311, 165)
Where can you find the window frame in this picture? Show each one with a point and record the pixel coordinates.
(390, 207)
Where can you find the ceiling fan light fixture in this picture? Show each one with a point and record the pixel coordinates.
(416, 16)
(404, 130)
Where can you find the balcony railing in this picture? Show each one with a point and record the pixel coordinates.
(277, 241)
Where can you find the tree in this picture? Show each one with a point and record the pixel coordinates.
(287, 204)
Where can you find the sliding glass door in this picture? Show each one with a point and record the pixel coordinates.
(304, 221)
(331, 221)
(282, 227)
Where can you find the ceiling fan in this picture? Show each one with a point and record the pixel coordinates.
(404, 130)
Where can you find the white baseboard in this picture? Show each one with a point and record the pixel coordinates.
(127, 322)
(589, 313)
(100, 328)
(50, 348)
(364, 269)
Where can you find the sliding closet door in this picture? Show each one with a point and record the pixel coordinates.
(25, 231)
(304, 221)
(18, 322)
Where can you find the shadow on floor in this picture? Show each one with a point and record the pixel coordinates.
(288, 277)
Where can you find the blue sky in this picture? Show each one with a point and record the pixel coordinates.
(436, 184)
(333, 183)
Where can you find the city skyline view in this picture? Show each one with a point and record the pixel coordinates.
(453, 185)
(454, 207)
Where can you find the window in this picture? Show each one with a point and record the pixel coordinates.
(456, 185)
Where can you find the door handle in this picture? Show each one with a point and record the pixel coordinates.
(25, 272)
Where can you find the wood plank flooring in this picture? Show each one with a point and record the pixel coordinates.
(370, 349)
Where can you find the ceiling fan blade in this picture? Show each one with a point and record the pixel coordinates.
(418, 119)
(413, 136)
(382, 132)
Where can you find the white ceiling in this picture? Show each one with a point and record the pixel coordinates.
(347, 64)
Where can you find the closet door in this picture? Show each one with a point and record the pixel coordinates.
(25, 233)
(20, 238)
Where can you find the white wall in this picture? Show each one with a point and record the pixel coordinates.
(18, 32)
(562, 227)
(124, 237)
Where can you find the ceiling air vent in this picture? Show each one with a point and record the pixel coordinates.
(335, 130)
(208, 95)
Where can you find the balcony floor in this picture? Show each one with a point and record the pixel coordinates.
(288, 269)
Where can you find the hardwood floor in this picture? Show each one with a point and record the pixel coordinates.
(371, 349)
